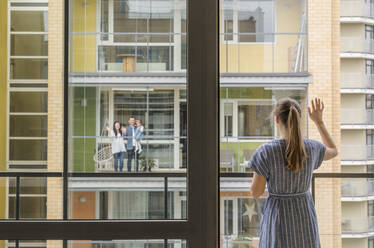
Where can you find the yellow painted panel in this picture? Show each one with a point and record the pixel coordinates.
(84, 46)
(3, 103)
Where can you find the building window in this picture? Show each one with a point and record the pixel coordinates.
(369, 67)
(28, 44)
(228, 109)
(228, 216)
(370, 137)
(248, 20)
(33, 198)
(370, 242)
(369, 101)
(28, 106)
(254, 119)
(242, 217)
(369, 32)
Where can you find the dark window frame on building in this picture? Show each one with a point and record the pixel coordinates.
(201, 227)
(369, 32)
(369, 99)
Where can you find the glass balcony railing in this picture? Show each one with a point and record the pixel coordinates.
(167, 52)
(357, 152)
(357, 225)
(357, 116)
(159, 152)
(356, 8)
(356, 45)
(354, 187)
(356, 80)
(236, 241)
(263, 52)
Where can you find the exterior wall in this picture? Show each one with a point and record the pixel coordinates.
(356, 30)
(352, 65)
(354, 209)
(354, 243)
(353, 101)
(55, 112)
(354, 169)
(353, 137)
(324, 65)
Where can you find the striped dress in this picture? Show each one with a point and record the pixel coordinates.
(288, 217)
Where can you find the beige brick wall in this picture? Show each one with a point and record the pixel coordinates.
(55, 107)
(55, 85)
(324, 64)
(55, 112)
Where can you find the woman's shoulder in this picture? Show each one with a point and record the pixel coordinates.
(270, 145)
(312, 142)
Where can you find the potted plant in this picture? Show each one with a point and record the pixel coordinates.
(147, 162)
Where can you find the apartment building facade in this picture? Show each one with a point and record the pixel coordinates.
(356, 123)
(129, 58)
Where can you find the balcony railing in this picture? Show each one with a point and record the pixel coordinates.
(357, 187)
(357, 225)
(356, 45)
(356, 8)
(356, 80)
(357, 116)
(167, 52)
(357, 152)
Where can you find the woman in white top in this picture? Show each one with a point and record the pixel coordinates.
(118, 146)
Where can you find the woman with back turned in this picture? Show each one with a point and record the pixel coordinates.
(289, 219)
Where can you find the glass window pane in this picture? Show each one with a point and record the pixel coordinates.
(127, 198)
(133, 118)
(29, 45)
(28, 68)
(27, 150)
(28, 126)
(29, 185)
(28, 21)
(30, 207)
(104, 20)
(254, 119)
(28, 102)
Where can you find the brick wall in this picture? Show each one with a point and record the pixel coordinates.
(324, 65)
(55, 111)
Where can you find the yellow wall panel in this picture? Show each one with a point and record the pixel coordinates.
(3, 103)
(84, 46)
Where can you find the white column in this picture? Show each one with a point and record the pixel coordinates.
(176, 129)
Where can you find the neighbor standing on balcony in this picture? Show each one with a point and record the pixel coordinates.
(118, 146)
(286, 165)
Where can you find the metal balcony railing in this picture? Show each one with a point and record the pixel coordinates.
(351, 44)
(359, 116)
(356, 8)
(356, 80)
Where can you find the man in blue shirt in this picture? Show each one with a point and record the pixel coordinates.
(129, 132)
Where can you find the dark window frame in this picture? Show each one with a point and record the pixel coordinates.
(202, 225)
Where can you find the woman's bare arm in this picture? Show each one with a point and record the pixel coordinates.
(315, 114)
(258, 185)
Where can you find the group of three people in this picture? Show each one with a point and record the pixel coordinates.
(133, 133)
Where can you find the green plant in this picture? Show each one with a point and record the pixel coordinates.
(146, 162)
